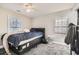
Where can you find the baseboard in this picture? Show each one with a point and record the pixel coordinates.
(59, 43)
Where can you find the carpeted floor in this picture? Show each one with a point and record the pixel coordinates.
(49, 49)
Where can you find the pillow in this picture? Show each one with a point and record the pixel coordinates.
(26, 30)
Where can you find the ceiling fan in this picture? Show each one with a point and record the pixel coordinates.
(29, 7)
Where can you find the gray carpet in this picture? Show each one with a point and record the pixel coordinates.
(49, 49)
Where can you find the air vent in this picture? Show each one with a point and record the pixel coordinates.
(18, 10)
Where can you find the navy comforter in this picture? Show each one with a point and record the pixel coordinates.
(15, 39)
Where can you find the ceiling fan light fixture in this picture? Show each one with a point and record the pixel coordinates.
(28, 10)
(28, 7)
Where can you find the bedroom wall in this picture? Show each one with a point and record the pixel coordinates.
(48, 21)
(4, 13)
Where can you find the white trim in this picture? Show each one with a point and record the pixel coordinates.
(59, 43)
(25, 41)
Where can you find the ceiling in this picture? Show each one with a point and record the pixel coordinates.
(40, 8)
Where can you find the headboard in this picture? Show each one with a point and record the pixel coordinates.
(39, 30)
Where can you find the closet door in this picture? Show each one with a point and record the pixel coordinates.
(78, 17)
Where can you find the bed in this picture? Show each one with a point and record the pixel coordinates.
(23, 42)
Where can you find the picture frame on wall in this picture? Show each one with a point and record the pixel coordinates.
(13, 24)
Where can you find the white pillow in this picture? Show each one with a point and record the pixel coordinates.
(26, 30)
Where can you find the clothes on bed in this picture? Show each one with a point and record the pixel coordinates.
(15, 39)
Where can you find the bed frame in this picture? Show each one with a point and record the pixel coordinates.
(32, 43)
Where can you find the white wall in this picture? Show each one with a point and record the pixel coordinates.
(5, 13)
(44, 22)
(73, 17)
(48, 21)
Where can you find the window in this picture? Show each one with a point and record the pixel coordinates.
(61, 25)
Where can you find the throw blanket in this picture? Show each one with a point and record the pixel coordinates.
(5, 43)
